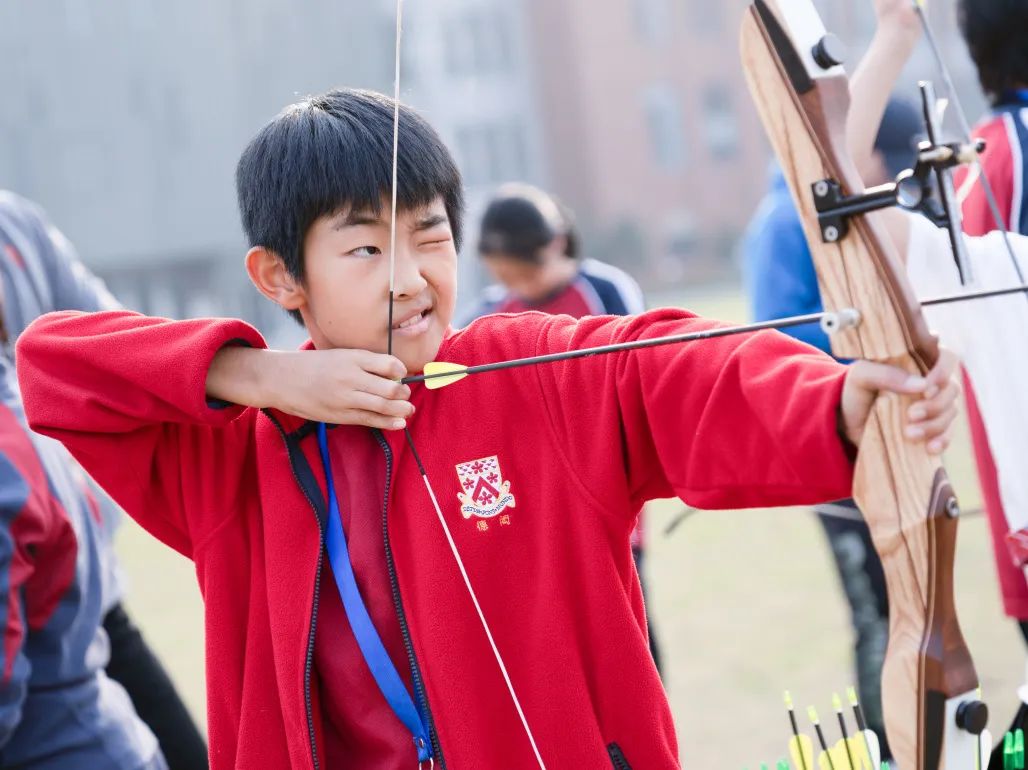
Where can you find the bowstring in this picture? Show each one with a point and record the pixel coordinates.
(410, 439)
(965, 128)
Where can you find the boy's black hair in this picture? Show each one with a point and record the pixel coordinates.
(520, 220)
(996, 32)
(331, 153)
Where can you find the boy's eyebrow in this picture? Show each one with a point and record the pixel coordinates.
(364, 218)
(357, 219)
(429, 221)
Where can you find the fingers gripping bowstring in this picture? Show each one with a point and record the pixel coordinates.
(410, 440)
(965, 128)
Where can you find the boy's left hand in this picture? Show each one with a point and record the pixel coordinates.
(929, 419)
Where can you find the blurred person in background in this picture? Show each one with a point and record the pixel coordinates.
(782, 282)
(997, 409)
(58, 708)
(995, 33)
(530, 246)
(40, 273)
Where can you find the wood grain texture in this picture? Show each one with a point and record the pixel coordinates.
(901, 489)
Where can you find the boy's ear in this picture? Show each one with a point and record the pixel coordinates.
(269, 274)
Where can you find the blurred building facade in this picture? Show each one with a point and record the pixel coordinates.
(125, 119)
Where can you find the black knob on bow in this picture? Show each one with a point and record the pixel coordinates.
(829, 52)
(972, 715)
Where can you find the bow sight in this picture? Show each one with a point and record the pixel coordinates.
(927, 188)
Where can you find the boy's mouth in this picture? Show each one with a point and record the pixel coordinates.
(414, 324)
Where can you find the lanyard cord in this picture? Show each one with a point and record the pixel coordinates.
(381, 665)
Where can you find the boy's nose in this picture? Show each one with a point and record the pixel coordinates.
(407, 278)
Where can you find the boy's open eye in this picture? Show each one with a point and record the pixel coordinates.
(364, 251)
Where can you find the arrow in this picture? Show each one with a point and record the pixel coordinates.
(870, 739)
(824, 759)
(439, 374)
(800, 748)
(837, 705)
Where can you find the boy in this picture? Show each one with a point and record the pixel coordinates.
(540, 485)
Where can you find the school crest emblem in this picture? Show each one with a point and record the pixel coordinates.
(483, 491)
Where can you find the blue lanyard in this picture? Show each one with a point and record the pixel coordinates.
(370, 643)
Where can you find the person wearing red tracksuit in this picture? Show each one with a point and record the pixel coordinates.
(340, 629)
(993, 30)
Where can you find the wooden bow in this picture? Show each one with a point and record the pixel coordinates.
(929, 682)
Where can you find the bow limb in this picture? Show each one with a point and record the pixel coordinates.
(802, 95)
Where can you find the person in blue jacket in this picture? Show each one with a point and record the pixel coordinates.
(781, 282)
(40, 272)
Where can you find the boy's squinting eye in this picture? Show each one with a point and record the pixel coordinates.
(437, 238)
(364, 251)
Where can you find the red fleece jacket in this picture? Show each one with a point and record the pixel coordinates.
(727, 423)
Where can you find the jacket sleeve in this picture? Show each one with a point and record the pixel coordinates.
(125, 394)
(732, 422)
(16, 568)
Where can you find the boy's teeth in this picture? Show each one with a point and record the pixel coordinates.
(411, 321)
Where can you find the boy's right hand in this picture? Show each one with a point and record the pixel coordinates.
(342, 387)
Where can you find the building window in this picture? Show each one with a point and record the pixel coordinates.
(478, 43)
(665, 124)
(492, 153)
(653, 20)
(720, 126)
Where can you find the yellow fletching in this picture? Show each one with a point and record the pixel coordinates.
(801, 750)
(836, 701)
(851, 693)
(439, 374)
(812, 714)
(787, 697)
(834, 759)
(858, 750)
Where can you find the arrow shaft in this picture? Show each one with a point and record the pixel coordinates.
(724, 331)
(964, 297)
(567, 355)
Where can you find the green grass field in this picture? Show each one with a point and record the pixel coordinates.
(746, 605)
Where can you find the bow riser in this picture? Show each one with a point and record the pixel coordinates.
(901, 489)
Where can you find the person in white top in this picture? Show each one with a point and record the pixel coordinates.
(985, 333)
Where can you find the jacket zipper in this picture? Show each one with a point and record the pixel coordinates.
(419, 688)
(291, 450)
(617, 757)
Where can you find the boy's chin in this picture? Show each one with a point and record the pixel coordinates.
(415, 357)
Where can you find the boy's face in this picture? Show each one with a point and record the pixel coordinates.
(345, 302)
